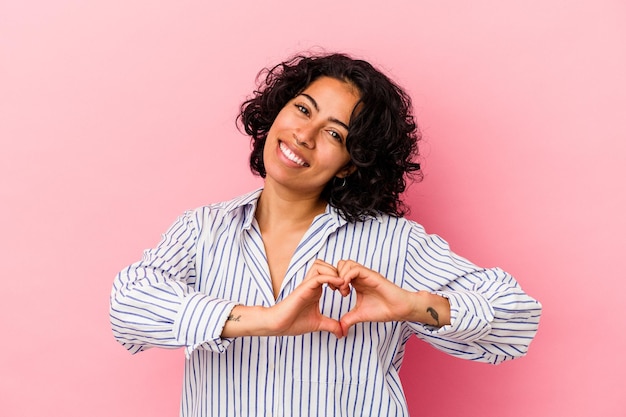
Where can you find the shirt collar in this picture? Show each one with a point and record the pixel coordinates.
(250, 198)
(248, 203)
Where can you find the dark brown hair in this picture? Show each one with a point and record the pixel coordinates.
(383, 137)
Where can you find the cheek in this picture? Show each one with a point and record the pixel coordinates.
(265, 152)
(282, 119)
(339, 160)
(345, 158)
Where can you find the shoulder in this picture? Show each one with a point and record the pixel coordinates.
(239, 210)
(397, 221)
(388, 225)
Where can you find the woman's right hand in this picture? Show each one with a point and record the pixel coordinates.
(297, 314)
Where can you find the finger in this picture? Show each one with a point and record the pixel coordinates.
(340, 285)
(320, 267)
(322, 262)
(344, 265)
(332, 326)
(348, 320)
(316, 281)
(341, 288)
(361, 277)
(344, 290)
(349, 271)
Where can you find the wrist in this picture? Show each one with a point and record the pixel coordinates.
(247, 321)
(431, 309)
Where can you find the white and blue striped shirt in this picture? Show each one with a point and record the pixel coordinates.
(212, 258)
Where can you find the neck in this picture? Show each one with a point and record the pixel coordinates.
(285, 209)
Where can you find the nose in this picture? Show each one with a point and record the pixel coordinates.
(305, 136)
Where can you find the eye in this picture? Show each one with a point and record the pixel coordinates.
(335, 135)
(302, 109)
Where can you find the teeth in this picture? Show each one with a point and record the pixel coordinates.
(291, 156)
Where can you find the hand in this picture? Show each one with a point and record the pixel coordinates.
(377, 299)
(299, 312)
(380, 300)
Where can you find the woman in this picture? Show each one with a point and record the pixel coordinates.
(299, 298)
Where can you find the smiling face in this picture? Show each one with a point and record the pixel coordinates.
(306, 145)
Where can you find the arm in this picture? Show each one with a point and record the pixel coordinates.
(486, 316)
(153, 302)
(492, 318)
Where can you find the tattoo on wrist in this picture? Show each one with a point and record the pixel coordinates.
(434, 314)
(233, 317)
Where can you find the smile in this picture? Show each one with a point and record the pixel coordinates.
(291, 156)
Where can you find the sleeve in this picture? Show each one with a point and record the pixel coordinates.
(154, 304)
(492, 318)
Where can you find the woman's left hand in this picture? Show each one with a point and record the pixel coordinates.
(380, 300)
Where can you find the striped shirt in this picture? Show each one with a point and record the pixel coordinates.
(212, 258)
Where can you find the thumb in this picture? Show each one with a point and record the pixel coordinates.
(332, 326)
(348, 320)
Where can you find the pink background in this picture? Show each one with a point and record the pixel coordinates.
(116, 116)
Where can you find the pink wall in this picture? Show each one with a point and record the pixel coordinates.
(116, 116)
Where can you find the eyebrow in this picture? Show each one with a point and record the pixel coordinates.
(331, 119)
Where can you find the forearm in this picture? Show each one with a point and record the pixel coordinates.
(428, 308)
(144, 316)
(488, 329)
(167, 313)
(297, 314)
(247, 321)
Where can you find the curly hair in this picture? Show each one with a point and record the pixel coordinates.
(382, 139)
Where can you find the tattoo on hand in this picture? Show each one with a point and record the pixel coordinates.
(434, 314)
(233, 318)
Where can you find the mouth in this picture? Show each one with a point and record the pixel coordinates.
(291, 156)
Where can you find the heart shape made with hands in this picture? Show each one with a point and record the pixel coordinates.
(377, 299)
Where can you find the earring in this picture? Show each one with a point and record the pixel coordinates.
(343, 182)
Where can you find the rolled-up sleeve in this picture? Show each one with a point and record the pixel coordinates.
(492, 318)
(154, 304)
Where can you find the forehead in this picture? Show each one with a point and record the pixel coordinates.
(333, 84)
(335, 98)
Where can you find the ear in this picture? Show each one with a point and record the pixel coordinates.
(345, 171)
